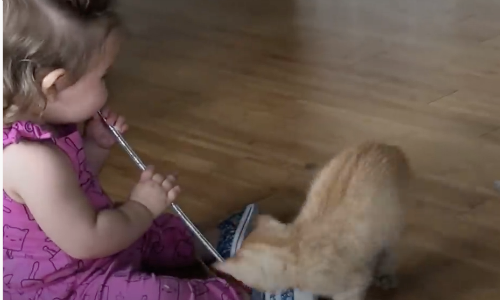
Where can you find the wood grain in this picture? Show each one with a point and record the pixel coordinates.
(246, 99)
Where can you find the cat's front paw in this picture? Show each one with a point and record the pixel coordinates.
(386, 281)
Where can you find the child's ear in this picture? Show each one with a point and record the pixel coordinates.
(52, 83)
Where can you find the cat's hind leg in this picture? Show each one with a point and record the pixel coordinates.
(357, 285)
(385, 270)
(355, 294)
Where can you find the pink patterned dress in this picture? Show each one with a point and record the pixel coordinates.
(36, 268)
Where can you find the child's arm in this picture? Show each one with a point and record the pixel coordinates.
(96, 156)
(41, 176)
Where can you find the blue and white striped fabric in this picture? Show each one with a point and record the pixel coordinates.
(286, 295)
(233, 231)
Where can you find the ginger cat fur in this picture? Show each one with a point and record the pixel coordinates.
(344, 235)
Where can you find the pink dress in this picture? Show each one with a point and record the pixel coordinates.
(36, 268)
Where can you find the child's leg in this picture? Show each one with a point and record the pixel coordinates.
(170, 244)
(232, 232)
(141, 286)
(385, 269)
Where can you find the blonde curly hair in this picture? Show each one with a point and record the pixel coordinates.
(43, 35)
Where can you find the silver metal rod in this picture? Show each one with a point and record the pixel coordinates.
(176, 208)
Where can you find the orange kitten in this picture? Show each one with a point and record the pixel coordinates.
(343, 236)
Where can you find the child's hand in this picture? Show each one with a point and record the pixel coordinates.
(155, 192)
(99, 133)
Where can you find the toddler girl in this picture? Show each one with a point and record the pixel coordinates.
(63, 238)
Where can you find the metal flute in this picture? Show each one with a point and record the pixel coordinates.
(176, 208)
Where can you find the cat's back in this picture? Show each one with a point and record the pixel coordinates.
(351, 214)
(357, 174)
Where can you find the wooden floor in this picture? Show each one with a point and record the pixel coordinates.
(247, 98)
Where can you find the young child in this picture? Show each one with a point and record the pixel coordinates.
(63, 238)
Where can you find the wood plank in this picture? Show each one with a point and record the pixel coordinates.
(247, 99)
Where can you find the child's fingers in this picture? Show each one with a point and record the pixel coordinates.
(111, 119)
(171, 178)
(166, 185)
(148, 173)
(105, 111)
(169, 182)
(158, 178)
(173, 193)
(123, 128)
(120, 122)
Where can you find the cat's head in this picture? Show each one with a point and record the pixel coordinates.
(265, 261)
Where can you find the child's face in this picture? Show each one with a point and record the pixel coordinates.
(81, 100)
